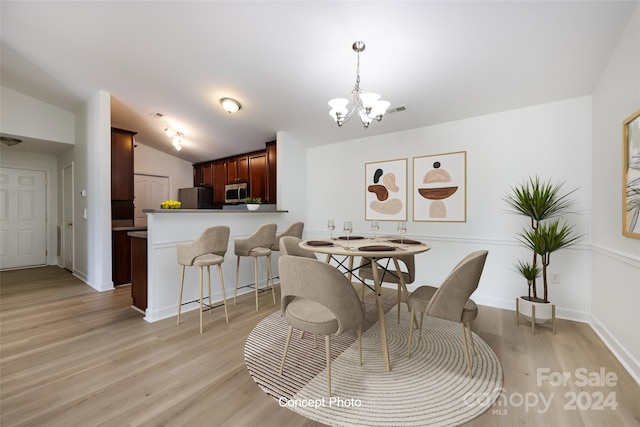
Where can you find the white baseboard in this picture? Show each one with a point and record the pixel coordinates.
(631, 364)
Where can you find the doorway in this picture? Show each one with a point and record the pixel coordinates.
(23, 220)
(67, 217)
(149, 192)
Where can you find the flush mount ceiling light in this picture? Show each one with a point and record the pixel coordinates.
(10, 142)
(230, 105)
(368, 105)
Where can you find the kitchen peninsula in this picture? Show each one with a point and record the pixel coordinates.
(168, 227)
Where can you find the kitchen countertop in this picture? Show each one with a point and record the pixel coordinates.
(139, 234)
(130, 228)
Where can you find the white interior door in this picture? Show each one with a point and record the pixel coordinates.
(67, 217)
(22, 218)
(149, 192)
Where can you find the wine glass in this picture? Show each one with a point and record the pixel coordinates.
(348, 228)
(375, 227)
(402, 229)
(331, 225)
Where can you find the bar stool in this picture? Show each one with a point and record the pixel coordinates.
(294, 230)
(207, 250)
(257, 245)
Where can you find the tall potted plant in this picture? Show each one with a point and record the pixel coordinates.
(544, 203)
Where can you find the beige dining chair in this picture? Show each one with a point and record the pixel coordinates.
(451, 300)
(207, 250)
(365, 272)
(257, 245)
(294, 229)
(290, 245)
(319, 299)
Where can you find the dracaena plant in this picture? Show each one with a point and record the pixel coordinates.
(541, 201)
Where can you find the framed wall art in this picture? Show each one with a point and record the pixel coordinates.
(631, 176)
(386, 190)
(440, 187)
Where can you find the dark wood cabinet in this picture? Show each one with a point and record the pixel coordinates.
(258, 175)
(203, 174)
(139, 272)
(219, 181)
(121, 258)
(122, 164)
(238, 169)
(271, 173)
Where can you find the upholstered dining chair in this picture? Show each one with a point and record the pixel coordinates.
(207, 250)
(319, 299)
(256, 245)
(290, 245)
(365, 272)
(294, 229)
(451, 300)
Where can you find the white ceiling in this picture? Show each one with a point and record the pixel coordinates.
(283, 61)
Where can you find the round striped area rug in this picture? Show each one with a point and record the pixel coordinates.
(431, 388)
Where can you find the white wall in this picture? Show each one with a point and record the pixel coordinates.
(552, 140)
(616, 258)
(29, 117)
(150, 161)
(92, 163)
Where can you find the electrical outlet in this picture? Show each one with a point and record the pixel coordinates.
(555, 277)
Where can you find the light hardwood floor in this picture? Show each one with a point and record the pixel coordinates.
(74, 356)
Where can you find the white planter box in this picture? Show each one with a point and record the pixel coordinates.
(535, 312)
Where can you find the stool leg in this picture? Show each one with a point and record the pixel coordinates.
(180, 300)
(235, 293)
(209, 277)
(255, 277)
(224, 298)
(201, 273)
(270, 278)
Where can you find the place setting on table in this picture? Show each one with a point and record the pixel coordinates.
(348, 242)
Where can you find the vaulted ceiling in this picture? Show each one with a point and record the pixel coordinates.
(283, 60)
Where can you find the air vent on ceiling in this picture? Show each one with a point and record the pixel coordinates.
(157, 114)
(398, 109)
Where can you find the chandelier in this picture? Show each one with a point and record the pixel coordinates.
(368, 105)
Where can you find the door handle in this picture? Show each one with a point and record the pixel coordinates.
(69, 224)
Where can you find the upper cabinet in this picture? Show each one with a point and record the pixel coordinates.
(219, 180)
(238, 169)
(258, 175)
(271, 172)
(203, 174)
(122, 164)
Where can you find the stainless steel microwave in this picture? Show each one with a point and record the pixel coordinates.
(236, 193)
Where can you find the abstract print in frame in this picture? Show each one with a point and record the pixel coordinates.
(440, 187)
(631, 176)
(385, 185)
